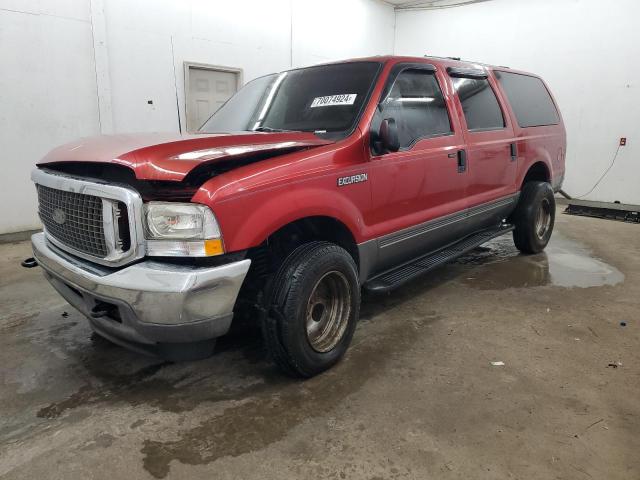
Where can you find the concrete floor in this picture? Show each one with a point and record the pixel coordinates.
(416, 397)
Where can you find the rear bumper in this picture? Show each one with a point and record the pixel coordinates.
(153, 302)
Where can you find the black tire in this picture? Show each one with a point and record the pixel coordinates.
(324, 270)
(534, 217)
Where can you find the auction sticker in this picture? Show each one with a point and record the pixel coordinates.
(330, 100)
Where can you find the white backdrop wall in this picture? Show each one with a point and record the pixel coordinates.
(47, 94)
(73, 68)
(586, 50)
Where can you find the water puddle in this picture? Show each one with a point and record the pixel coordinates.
(564, 263)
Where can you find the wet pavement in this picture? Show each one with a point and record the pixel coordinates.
(416, 397)
(564, 263)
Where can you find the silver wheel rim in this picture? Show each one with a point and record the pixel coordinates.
(328, 311)
(543, 218)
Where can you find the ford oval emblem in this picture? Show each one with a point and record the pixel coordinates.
(59, 216)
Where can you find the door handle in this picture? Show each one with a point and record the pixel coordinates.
(462, 161)
(514, 151)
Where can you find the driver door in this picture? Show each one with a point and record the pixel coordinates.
(418, 192)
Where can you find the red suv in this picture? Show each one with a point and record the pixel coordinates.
(304, 188)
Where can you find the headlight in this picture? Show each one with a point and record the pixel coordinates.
(181, 229)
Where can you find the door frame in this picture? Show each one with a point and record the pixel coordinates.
(481, 137)
(187, 66)
(429, 227)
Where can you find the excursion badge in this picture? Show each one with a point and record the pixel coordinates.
(361, 177)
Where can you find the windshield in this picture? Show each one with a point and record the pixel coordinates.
(326, 99)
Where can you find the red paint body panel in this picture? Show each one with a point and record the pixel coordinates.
(404, 188)
(490, 169)
(255, 200)
(420, 183)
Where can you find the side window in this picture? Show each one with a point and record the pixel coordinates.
(479, 103)
(417, 105)
(529, 99)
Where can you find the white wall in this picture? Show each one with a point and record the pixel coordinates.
(251, 35)
(256, 35)
(335, 29)
(56, 60)
(586, 50)
(51, 78)
(47, 94)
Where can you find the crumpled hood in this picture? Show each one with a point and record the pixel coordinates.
(170, 156)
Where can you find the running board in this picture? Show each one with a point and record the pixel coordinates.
(392, 279)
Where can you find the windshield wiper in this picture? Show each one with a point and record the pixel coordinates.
(269, 129)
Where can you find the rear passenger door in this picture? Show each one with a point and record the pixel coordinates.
(415, 187)
(491, 149)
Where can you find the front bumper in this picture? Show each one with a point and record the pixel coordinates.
(153, 302)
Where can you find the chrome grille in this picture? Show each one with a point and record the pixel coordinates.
(74, 219)
(93, 220)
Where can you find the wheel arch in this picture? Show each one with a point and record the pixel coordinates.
(267, 257)
(314, 227)
(538, 171)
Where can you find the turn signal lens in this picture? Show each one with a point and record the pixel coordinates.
(213, 247)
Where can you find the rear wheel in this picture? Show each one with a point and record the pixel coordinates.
(316, 305)
(534, 217)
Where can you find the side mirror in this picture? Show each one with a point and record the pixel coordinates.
(388, 136)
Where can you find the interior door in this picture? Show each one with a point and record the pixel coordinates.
(207, 91)
(491, 148)
(418, 192)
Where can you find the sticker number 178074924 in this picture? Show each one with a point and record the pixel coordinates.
(330, 100)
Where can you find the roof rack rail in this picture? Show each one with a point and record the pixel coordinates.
(444, 58)
(469, 61)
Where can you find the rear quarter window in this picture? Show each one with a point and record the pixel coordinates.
(529, 99)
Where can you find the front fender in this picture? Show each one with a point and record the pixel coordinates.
(248, 221)
(254, 201)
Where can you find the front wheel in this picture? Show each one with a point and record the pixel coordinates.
(316, 305)
(534, 217)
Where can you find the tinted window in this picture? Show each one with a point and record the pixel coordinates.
(529, 99)
(479, 103)
(325, 99)
(418, 107)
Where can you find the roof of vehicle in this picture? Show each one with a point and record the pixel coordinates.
(434, 60)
